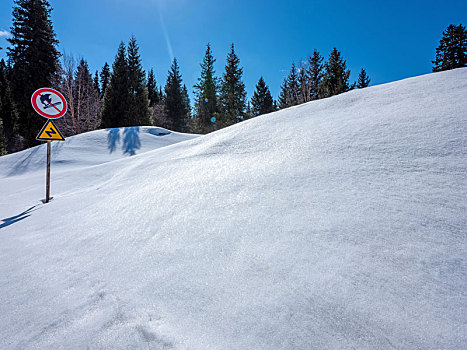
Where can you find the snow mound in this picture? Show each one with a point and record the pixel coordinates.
(91, 148)
(337, 224)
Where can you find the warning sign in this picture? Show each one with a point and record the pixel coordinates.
(49, 103)
(49, 132)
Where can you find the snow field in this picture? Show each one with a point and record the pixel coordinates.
(336, 224)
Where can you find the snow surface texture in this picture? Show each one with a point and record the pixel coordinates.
(337, 224)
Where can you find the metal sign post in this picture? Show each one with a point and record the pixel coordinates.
(50, 104)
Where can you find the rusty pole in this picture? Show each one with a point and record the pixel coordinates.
(47, 184)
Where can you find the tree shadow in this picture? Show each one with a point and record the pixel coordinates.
(32, 157)
(113, 138)
(22, 165)
(13, 219)
(58, 145)
(131, 141)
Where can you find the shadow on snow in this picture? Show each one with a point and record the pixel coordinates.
(131, 140)
(32, 157)
(13, 219)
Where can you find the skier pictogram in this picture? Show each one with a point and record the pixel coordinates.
(46, 100)
(49, 103)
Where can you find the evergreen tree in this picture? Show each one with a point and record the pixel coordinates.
(206, 102)
(452, 50)
(105, 79)
(314, 73)
(186, 100)
(3, 87)
(336, 76)
(138, 112)
(153, 93)
(2, 137)
(262, 101)
(186, 103)
(96, 83)
(283, 100)
(175, 101)
(249, 112)
(303, 85)
(34, 60)
(8, 112)
(293, 86)
(3, 140)
(363, 79)
(116, 97)
(290, 90)
(232, 93)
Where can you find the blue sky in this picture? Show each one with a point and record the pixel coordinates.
(390, 39)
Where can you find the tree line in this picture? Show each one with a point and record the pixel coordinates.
(125, 95)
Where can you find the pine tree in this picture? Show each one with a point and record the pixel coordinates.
(153, 93)
(96, 83)
(290, 90)
(34, 59)
(8, 112)
(303, 85)
(139, 112)
(2, 137)
(116, 97)
(3, 86)
(452, 50)
(363, 79)
(262, 101)
(314, 73)
(232, 92)
(186, 99)
(175, 103)
(249, 112)
(3, 141)
(206, 101)
(336, 76)
(104, 79)
(294, 86)
(283, 95)
(186, 104)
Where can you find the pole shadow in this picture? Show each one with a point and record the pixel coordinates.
(14, 219)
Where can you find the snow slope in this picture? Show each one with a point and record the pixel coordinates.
(337, 224)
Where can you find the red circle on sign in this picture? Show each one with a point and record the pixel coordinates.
(62, 105)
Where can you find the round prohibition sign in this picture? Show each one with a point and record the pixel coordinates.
(49, 103)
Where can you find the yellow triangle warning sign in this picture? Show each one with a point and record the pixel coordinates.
(49, 132)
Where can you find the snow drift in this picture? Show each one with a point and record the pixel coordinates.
(336, 224)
